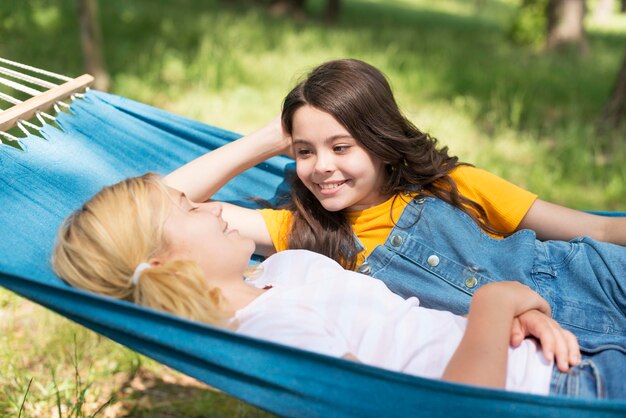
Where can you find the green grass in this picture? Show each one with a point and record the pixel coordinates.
(517, 111)
(522, 113)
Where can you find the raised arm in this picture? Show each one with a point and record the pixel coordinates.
(552, 221)
(204, 176)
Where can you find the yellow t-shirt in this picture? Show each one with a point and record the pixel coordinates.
(505, 204)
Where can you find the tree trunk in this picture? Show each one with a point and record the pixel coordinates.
(284, 7)
(91, 40)
(615, 110)
(565, 24)
(604, 9)
(623, 6)
(333, 8)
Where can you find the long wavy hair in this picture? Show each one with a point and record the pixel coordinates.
(360, 98)
(99, 246)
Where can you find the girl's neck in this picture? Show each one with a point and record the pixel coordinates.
(239, 294)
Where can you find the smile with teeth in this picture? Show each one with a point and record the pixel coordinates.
(330, 186)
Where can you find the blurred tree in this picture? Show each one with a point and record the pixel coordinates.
(333, 8)
(623, 7)
(91, 41)
(604, 9)
(293, 7)
(297, 8)
(615, 109)
(565, 24)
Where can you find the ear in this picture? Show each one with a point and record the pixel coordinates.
(155, 262)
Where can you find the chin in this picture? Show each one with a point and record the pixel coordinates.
(333, 206)
(251, 247)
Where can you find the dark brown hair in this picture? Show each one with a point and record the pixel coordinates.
(359, 97)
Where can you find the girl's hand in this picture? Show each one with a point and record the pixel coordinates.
(557, 344)
(278, 139)
(513, 296)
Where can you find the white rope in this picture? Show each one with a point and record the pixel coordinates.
(9, 99)
(9, 137)
(45, 115)
(20, 87)
(22, 127)
(35, 69)
(31, 125)
(63, 104)
(30, 79)
(45, 92)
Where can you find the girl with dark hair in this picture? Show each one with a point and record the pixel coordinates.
(377, 195)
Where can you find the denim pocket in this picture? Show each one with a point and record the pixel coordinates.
(582, 381)
(583, 288)
(553, 256)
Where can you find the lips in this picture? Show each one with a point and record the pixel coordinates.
(330, 188)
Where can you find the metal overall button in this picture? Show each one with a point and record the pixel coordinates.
(419, 200)
(364, 268)
(471, 282)
(433, 260)
(396, 240)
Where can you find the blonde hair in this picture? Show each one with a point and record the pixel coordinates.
(100, 245)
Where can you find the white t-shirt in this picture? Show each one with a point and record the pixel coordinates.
(314, 304)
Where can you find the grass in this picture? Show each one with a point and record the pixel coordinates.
(527, 115)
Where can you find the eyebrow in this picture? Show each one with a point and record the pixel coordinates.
(329, 139)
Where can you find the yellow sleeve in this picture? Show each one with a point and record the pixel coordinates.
(505, 203)
(278, 222)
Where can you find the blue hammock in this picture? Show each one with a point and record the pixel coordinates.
(108, 138)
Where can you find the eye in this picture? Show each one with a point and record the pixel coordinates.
(341, 148)
(303, 152)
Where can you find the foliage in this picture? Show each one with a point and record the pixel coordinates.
(523, 114)
(530, 23)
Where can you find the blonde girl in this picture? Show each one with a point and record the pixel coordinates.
(142, 241)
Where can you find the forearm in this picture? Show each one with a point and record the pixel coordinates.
(481, 357)
(204, 176)
(615, 230)
(554, 222)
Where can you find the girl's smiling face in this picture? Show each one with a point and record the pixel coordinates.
(333, 165)
(197, 232)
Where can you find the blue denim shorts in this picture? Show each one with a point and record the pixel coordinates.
(599, 375)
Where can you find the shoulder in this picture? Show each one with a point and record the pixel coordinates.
(469, 174)
(505, 203)
(278, 222)
(471, 181)
(299, 266)
(275, 214)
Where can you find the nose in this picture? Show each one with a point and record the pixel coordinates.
(215, 208)
(324, 162)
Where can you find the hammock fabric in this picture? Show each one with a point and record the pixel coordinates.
(108, 138)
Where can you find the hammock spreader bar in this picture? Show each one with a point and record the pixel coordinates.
(43, 101)
(40, 100)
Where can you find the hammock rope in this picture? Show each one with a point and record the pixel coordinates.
(35, 69)
(28, 78)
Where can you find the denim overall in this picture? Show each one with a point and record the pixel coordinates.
(439, 254)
